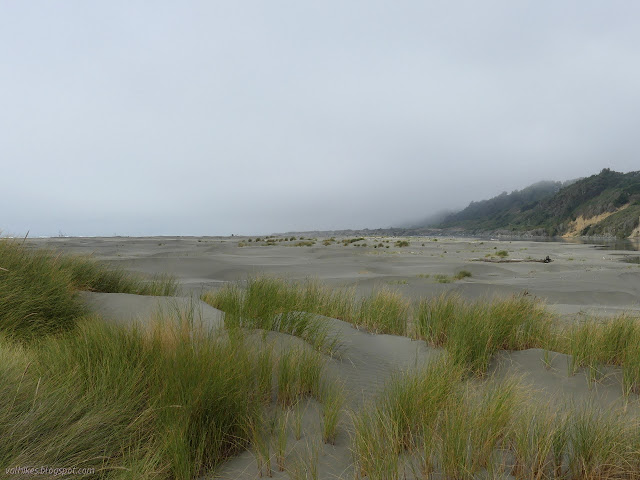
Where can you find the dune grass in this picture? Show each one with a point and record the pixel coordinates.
(37, 295)
(89, 274)
(462, 274)
(167, 400)
(538, 439)
(473, 427)
(384, 311)
(595, 343)
(439, 422)
(473, 331)
(128, 402)
(274, 303)
(280, 436)
(451, 426)
(299, 371)
(332, 397)
(38, 288)
(406, 409)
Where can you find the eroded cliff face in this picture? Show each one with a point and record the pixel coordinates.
(576, 227)
(636, 231)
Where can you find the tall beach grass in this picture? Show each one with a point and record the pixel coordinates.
(438, 423)
(172, 400)
(595, 343)
(473, 331)
(38, 288)
(275, 303)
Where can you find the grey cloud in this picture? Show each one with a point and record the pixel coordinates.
(254, 117)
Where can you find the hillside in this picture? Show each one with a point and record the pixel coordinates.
(606, 204)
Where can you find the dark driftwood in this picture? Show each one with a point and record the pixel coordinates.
(512, 260)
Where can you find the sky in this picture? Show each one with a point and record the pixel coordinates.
(255, 117)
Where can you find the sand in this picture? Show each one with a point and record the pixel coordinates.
(582, 280)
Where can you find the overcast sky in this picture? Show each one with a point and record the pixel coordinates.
(251, 117)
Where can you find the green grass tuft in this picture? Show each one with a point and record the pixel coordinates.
(38, 288)
(473, 331)
(145, 403)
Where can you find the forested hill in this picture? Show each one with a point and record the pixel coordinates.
(606, 204)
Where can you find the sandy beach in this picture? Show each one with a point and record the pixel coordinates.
(580, 281)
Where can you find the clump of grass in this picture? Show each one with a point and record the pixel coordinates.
(264, 362)
(473, 425)
(441, 278)
(436, 316)
(288, 379)
(37, 295)
(492, 408)
(299, 372)
(599, 443)
(306, 243)
(395, 424)
(454, 430)
(332, 398)
(276, 304)
(385, 311)
(594, 343)
(281, 438)
(631, 259)
(38, 288)
(258, 433)
(502, 253)
(401, 243)
(464, 429)
(130, 399)
(462, 274)
(305, 466)
(89, 274)
(370, 446)
(297, 420)
(348, 241)
(538, 439)
(398, 282)
(473, 331)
